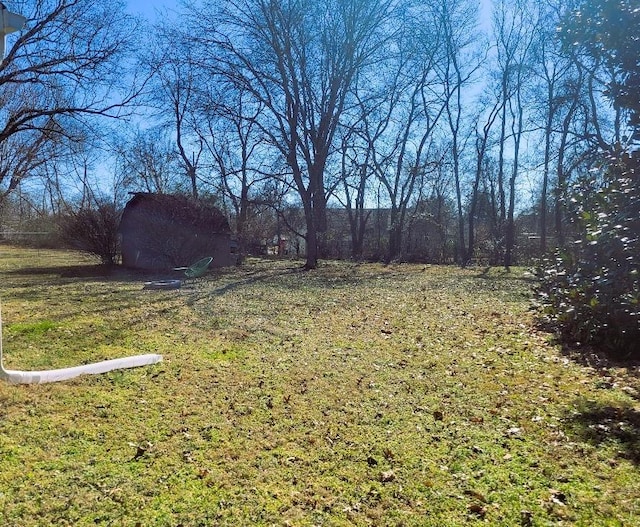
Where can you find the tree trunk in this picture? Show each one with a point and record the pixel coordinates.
(545, 173)
(395, 243)
(456, 174)
(312, 247)
(472, 209)
(510, 227)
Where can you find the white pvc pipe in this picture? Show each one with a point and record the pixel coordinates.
(38, 377)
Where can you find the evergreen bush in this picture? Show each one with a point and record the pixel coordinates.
(591, 293)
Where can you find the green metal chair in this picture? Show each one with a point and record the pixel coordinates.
(197, 269)
(192, 272)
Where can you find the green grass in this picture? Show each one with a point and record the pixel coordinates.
(349, 395)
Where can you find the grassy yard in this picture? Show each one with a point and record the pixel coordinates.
(349, 395)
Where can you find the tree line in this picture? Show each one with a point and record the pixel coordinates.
(474, 116)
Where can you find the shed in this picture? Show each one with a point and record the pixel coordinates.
(163, 231)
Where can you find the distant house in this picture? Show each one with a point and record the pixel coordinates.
(162, 231)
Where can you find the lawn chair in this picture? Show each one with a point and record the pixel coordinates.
(62, 374)
(192, 272)
(196, 270)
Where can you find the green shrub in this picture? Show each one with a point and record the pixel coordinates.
(591, 292)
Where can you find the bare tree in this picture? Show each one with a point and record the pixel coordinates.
(219, 143)
(483, 145)
(298, 59)
(174, 94)
(514, 29)
(401, 114)
(66, 65)
(355, 176)
(463, 58)
(241, 162)
(146, 162)
(558, 97)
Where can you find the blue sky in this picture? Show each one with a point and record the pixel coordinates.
(148, 8)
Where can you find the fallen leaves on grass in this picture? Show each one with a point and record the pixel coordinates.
(350, 394)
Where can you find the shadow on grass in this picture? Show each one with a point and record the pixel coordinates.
(500, 273)
(288, 276)
(600, 424)
(206, 285)
(611, 367)
(252, 277)
(83, 271)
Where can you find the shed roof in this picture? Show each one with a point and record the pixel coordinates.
(178, 209)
